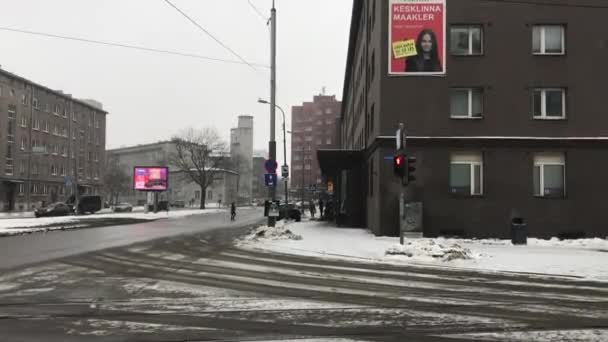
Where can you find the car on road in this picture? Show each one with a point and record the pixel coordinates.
(86, 204)
(162, 206)
(53, 209)
(290, 211)
(178, 204)
(123, 207)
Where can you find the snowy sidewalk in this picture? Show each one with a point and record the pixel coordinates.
(585, 258)
(31, 225)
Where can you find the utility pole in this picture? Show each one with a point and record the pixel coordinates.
(272, 144)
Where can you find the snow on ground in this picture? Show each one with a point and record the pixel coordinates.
(26, 225)
(584, 258)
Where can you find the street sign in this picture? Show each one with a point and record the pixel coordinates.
(285, 171)
(273, 211)
(270, 179)
(271, 166)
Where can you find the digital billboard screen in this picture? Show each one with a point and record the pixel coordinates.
(150, 178)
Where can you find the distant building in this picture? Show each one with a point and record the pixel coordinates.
(52, 145)
(182, 188)
(258, 188)
(241, 154)
(314, 126)
(154, 154)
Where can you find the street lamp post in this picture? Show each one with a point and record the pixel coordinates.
(284, 145)
(272, 145)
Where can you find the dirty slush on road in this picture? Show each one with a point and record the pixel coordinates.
(202, 287)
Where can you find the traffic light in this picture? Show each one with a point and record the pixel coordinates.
(399, 166)
(411, 169)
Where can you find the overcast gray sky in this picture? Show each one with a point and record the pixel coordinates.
(151, 96)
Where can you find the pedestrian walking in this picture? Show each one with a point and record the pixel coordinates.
(321, 207)
(312, 208)
(232, 211)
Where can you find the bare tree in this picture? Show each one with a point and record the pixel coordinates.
(200, 155)
(116, 180)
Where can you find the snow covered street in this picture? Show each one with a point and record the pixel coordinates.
(585, 258)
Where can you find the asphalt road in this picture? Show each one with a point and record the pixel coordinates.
(17, 251)
(201, 287)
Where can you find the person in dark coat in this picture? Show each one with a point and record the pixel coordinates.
(232, 211)
(312, 208)
(321, 207)
(427, 59)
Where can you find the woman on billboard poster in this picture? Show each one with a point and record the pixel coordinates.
(427, 59)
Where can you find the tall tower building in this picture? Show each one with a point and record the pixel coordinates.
(241, 154)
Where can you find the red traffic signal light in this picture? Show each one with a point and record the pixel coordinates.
(399, 165)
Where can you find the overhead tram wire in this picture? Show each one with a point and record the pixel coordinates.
(259, 13)
(128, 46)
(209, 34)
(548, 4)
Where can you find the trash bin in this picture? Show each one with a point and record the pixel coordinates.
(519, 231)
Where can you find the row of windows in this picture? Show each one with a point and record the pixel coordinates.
(548, 178)
(546, 103)
(56, 109)
(42, 189)
(467, 40)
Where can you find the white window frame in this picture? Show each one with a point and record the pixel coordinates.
(469, 116)
(471, 159)
(543, 104)
(548, 159)
(543, 41)
(469, 29)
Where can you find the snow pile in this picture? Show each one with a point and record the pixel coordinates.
(278, 232)
(421, 248)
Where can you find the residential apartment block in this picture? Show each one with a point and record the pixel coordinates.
(51, 144)
(516, 126)
(313, 127)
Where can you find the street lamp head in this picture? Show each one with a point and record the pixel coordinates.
(263, 101)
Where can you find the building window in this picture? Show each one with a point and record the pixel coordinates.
(548, 40)
(22, 167)
(97, 140)
(549, 103)
(466, 103)
(197, 194)
(36, 125)
(23, 100)
(372, 118)
(57, 110)
(466, 40)
(23, 145)
(96, 123)
(12, 116)
(549, 175)
(8, 166)
(21, 189)
(328, 141)
(24, 121)
(35, 102)
(466, 174)
(209, 195)
(45, 126)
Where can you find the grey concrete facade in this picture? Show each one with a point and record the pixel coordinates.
(241, 154)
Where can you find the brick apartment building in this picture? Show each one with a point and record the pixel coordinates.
(51, 144)
(516, 124)
(313, 127)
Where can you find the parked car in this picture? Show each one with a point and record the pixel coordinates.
(178, 204)
(123, 207)
(162, 206)
(289, 211)
(86, 204)
(53, 209)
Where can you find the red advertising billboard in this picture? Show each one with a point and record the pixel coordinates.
(150, 178)
(417, 37)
